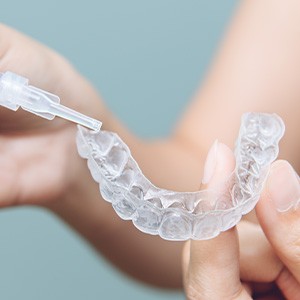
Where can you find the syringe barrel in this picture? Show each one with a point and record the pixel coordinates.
(15, 92)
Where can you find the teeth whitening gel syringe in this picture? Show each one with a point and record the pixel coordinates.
(15, 92)
(175, 216)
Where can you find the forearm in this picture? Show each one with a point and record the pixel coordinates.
(257, 68)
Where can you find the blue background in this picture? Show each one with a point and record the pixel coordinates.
(147, 59)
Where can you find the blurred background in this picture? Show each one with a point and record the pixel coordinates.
(146, 58)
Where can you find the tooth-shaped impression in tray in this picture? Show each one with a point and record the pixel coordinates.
(183, 215)
(172, 215)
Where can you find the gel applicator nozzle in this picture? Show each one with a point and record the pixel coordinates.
(15, 92)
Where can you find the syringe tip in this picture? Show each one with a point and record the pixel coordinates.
(96, 125)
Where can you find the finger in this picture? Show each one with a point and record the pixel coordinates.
(279, 215)
(185, 261)
(247, 287)
(258, 261)
(213, 271)
(212, 266)
(219, 164)
(288, 284)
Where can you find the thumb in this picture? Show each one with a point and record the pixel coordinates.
(211, 267)
(279, 216)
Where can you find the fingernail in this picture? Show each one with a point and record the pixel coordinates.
(283, 186)
(210, 163)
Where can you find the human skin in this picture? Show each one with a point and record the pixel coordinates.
(256, 69)
(40, 165)
(211, 268)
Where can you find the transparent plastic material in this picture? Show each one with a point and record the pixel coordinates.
(15, 92)
(183, 215)
(173, 215)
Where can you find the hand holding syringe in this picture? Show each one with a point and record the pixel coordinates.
(15, 92)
